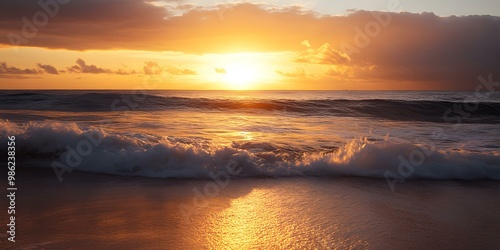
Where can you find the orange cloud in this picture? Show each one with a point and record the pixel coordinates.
(179, 71)
(441, 52)
(299, 72)
(323, 55)
(11, 70)
(152, 68)
(48, 68)
(82, 67)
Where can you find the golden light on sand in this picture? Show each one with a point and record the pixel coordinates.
(248, 222)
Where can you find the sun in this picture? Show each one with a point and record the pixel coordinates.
(241, 76)
(242, 71)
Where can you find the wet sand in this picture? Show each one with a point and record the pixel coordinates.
(95, 211)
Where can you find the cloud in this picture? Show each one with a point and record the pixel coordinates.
(186, 6)
(153, 68)
(48, 68)
(142, 25)
(445, 52)
(124, 72)
(220, 70)
(322, 55)
(179, 71)
(299, 72)
(306, 43)
(9, 71)
(82, 67)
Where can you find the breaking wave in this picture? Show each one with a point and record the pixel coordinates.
(95, 150)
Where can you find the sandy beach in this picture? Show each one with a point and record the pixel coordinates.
(102, 211)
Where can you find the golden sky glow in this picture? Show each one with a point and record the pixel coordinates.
(237, 46)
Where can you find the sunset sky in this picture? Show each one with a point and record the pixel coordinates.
(283, 44)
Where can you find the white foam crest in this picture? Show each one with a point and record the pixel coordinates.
(403, 160)
(167, 157)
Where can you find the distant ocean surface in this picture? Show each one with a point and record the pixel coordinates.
(188, 134)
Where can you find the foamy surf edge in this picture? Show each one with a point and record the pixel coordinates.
(90, 149)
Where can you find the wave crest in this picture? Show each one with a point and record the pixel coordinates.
(94, 150)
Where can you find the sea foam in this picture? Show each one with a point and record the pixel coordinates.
(100, 151)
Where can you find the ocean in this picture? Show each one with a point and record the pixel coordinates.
(187, 134)
(255, 169)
